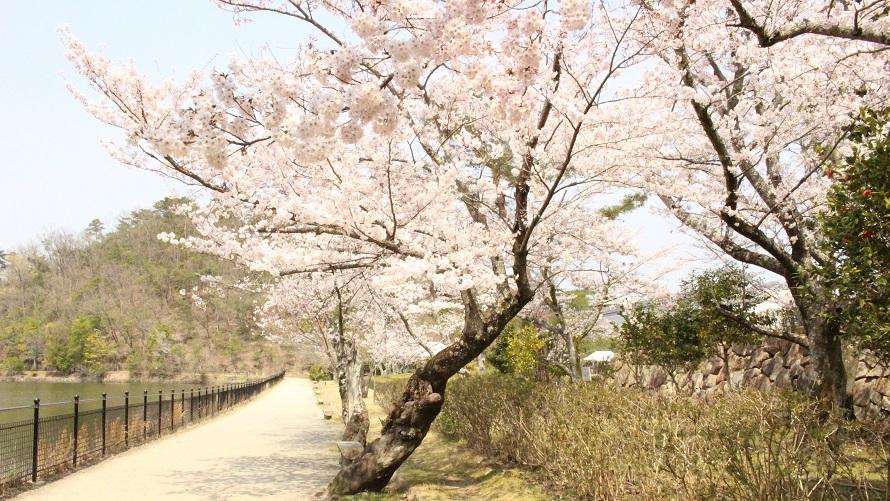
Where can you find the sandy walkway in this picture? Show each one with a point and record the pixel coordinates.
(276, 447)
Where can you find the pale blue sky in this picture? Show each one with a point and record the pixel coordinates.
(54, 173)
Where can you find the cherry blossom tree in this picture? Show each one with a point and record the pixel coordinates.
(775, 22)
(572, 295)
(454, 146)
(737, 141)
(329, 313)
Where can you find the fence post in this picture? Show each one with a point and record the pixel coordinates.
(160, 411)
(35, 431)
(172, 409)
(76, 416)
(182, 408)
(191, 405)
(104, 419)
(126, 419)
(144, 415)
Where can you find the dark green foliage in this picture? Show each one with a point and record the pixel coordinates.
(83, 350)
(714, 309)
(629, 203)
(856, 229)
(725, 300)
(666, 337)
(516, 350)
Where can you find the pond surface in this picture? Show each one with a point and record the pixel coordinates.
(58, 398)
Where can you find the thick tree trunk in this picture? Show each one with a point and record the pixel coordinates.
(350, 384)
(826, 350)
(411, 417)
(827, 357)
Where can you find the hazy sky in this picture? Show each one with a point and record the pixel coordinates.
(55, 173)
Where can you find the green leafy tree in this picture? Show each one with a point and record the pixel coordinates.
(724, 303)
(517, 350)
(856, 226)
(58, 352)
(87, 348)
(94, 352)
(714, 310)
(95, 229)
(667, 337)
(524, 350)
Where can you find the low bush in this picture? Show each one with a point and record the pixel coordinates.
(14, 365)
(319, 373)
(593, 441)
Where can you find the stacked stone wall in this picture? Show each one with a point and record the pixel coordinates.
(774, 364)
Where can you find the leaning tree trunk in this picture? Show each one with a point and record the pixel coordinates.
(350, 384)
(411, 417)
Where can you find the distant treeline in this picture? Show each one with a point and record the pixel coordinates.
(122, 300)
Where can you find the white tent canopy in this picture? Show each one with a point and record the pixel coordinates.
(600, 356)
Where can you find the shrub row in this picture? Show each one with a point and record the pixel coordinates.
(388, 389)
(592, 441)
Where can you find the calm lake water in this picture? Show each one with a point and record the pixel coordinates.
(58, 398)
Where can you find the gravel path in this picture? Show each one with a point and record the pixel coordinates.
(276, 447)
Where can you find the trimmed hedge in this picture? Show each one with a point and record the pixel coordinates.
(592, 441)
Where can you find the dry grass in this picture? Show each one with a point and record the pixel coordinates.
(440, 469)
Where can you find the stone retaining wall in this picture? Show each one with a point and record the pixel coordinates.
(775, 363)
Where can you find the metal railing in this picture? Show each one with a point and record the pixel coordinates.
(45, 446)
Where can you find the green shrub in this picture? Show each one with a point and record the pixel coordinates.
(14, 364)
(593, 441)
(319, 373)
(517, 350)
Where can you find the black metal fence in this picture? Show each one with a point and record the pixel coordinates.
(44, 446)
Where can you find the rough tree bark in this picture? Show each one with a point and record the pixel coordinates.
(350, 385)
(348, 371)
(411, 417)
(826, 354)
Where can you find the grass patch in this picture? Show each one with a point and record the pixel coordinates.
(441, 468)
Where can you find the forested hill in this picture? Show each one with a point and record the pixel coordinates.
(122, 300)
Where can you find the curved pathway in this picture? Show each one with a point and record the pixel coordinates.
(275, 447)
